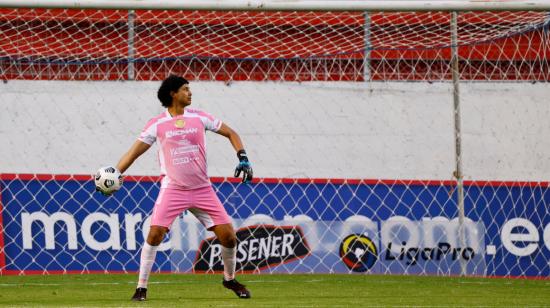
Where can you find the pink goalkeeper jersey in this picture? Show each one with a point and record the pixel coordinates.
(182, 152)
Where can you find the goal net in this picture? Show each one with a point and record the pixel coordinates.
(269, 46)
(347, 117)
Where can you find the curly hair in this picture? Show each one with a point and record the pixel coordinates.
(170, 84)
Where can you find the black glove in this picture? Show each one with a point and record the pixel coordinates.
(245, 166)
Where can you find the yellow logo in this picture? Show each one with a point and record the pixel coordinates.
(358, 252)
(180, 123)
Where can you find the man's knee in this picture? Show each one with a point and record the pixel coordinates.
(229, 240)
(156, 235)
(226, 235)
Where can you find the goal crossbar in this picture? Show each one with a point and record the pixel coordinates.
(287, 5)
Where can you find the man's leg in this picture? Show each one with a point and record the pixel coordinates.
(226, 235)
(228, 240)
(147, 259)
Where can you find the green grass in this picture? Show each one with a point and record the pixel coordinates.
(186, 290)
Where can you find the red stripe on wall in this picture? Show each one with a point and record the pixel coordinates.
(44, 177)
(334, 181)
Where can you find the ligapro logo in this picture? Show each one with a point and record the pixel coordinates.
(358, 252)
(412, 243)
(434, 240)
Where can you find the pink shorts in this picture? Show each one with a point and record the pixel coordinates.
(201, 202)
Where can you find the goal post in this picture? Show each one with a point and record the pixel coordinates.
(368, 159)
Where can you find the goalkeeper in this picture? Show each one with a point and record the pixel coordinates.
(180, 132)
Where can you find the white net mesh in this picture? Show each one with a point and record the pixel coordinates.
(53, 223)
(99, 44)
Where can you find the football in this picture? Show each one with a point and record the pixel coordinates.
(108, 180)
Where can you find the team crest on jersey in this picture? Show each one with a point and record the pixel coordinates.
(180, 123)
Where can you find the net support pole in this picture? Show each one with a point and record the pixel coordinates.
(366, 52)
(131, 50)
(458, 135)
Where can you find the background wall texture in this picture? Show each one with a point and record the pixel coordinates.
(401, 130)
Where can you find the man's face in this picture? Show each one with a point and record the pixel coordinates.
(183, 96)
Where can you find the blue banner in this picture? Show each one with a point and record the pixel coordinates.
(412, 228)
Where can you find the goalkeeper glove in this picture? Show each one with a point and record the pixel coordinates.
(244, 166)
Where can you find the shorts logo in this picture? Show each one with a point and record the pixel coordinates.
(179, 123)
(358, 252)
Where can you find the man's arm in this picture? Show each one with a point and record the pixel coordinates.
(233, 137)
(133, 153)
(244, 165)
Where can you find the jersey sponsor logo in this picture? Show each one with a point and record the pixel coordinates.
(258, 247)
(358, 252)
(179, 132)
(184, 160)
(179, 123)
(184, 150)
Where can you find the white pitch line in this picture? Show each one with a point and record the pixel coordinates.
(487, 282)
(474, 282)
(282, 281)
(82, 283)
(28, 284)
(314, 280)
(133, 282)
(262, 281)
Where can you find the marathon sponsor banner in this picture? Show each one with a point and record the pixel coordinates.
(258, 247)
(61, 225)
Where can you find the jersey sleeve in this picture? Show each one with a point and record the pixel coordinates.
(149, 133)
(210, 122)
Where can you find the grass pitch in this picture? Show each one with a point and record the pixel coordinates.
(187, 290)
